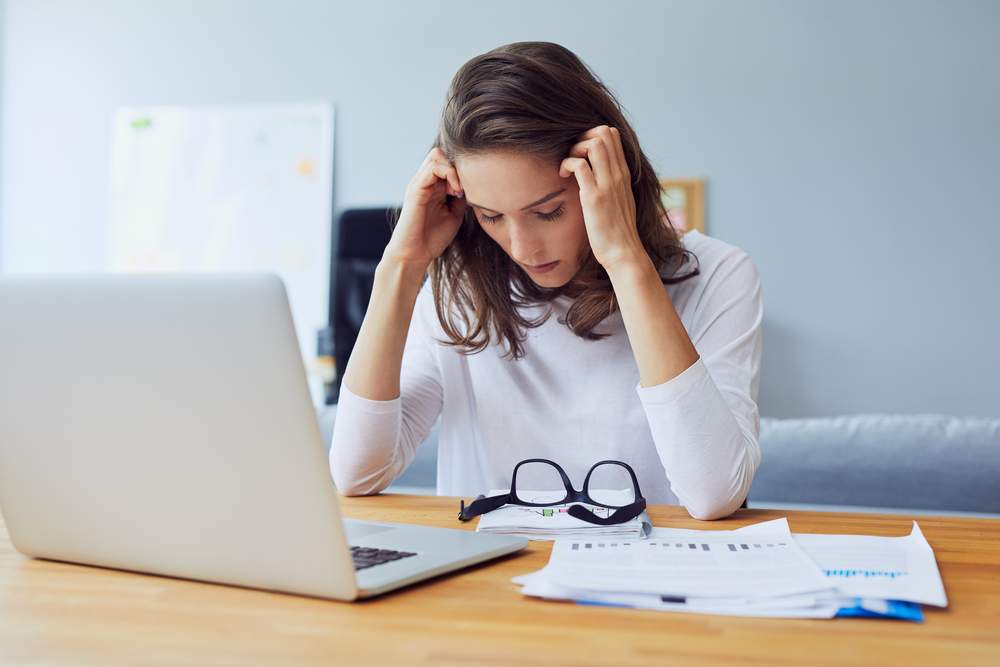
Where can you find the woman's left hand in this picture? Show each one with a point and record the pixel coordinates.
(606, 196)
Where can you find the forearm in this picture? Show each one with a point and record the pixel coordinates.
(705, 421)
(369, 448)
(366, 454)
(709, 451)
(375, 440)
(661, 345)
(708, 454)
(374, 368)
(704, 450)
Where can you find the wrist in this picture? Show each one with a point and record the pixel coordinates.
(406, 275)
(629, 268)
(403, 268)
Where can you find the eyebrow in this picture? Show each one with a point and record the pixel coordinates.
(537, 203)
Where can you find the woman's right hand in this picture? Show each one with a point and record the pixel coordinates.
(432, 213)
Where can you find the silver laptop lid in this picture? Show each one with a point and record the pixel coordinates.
(163, 423)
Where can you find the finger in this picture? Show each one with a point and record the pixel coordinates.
(603, 147)
(582, 148)
(596, 152)
(600, 161)
(618, 151)
(610, 137)
(571, 165)
(446, 172)
(434, 171)
(586, 139)
(454, 204)
(591, 133)
(424, 178)
(454, 183)
(432, 155)
(420, 177)
(437, 156)
(601, 133)
(581, 169)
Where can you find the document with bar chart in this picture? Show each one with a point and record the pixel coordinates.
(757, 561)
(890, 568)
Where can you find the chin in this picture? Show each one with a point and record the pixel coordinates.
(549, 280)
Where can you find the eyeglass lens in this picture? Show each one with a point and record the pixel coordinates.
(610, 484)
(539, 483)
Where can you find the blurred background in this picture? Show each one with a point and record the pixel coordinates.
(852, 148)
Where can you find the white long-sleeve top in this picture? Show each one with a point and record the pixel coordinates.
(691, 440)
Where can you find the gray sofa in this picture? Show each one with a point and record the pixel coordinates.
(928, 463)
(913, 462)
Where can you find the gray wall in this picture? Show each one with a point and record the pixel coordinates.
(3, 49)
(852, 148)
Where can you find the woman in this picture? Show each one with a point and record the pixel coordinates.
(561, 319)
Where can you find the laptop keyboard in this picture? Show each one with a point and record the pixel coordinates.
(365, 557)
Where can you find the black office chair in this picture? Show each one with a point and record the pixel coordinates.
(361, 236)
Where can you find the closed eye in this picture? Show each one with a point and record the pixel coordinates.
(552, 215)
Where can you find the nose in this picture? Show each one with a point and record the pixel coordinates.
(525, 242)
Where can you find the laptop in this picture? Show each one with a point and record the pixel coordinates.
(163, 424)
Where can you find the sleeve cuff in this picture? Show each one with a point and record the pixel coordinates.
(672, 389)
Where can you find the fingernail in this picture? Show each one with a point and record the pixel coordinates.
(460, 193)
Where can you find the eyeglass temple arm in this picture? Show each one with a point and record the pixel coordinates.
(481, 505)
(621, 515)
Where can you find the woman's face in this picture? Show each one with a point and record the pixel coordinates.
(526, 207)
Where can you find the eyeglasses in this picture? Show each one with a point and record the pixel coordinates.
(607, 485)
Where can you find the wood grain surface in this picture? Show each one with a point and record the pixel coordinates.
(61, 614)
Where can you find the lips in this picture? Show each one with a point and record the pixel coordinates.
(541, 268)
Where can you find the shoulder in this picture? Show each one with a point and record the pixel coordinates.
(717, 260)
(712, 253)
(725, 273)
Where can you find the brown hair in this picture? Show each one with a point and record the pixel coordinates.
(534, 98)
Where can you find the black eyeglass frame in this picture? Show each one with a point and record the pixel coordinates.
(482, 504)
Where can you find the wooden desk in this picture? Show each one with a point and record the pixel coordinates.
(60, 614)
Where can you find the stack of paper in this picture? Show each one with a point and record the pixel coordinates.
(553, 523)
(759, 570)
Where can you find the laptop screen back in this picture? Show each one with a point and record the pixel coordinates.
(163, 423)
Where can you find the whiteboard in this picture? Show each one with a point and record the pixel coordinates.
(236, 188)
